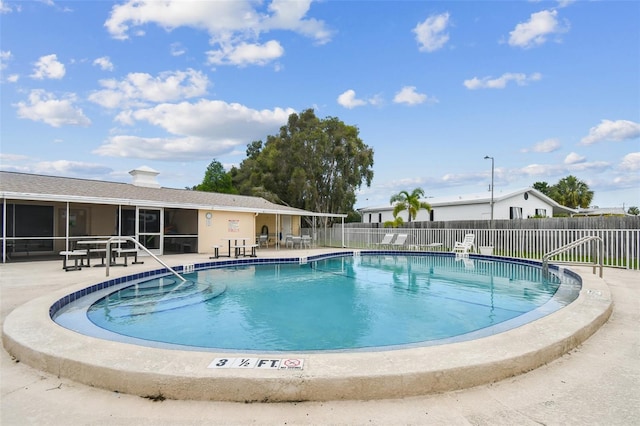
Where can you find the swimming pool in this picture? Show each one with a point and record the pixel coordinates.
(33, 338)
(369, 301)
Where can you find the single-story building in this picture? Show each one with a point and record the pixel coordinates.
(523, 203)
(602, 211)
(49, 214)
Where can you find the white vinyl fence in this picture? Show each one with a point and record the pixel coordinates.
(621, 246)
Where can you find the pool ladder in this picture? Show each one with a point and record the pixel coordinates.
(143, 248)
(598, 258)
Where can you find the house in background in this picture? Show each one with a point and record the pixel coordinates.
(520, 204)
(49, 214)
(602, 211)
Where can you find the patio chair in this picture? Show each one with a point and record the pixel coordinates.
(465, 246)
(288, 240)
(263, 240)
(400, 241)
(386, 240)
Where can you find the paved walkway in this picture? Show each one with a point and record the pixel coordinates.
(597, 383)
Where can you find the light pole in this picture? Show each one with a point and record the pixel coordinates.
(491, 158)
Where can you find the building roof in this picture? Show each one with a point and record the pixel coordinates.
(24, 186)
(480, 198)
(602, 211)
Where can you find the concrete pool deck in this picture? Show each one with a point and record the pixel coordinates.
(595, 383)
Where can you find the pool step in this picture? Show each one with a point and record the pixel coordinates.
(157, 295)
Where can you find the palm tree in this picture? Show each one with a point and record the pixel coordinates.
(409, 202)
(634, 211)
(572, 193)
(395, 223)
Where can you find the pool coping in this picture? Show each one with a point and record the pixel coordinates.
(32, 337)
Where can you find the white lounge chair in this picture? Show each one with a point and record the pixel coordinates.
(400, 241)
(466, 245)
(386, 240)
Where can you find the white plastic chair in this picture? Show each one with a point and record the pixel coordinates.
(386, 240)
(466, 245)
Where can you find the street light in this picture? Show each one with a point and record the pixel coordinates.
(491, 158)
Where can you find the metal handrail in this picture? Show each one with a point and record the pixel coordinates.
(598, 260)
(143, 248)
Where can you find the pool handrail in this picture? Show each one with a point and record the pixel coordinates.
(598, 259)
(143, 248)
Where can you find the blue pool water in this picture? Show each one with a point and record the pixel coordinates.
(361, 302)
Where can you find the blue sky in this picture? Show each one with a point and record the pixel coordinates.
(94, 89)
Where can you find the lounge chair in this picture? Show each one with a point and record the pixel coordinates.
(465, 246)
(400, 241)
(386, 240)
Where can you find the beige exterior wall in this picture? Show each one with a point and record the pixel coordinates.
(222, 225)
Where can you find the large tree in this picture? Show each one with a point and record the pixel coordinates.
(216, 179)
(410, 202)
(313, 164)
(542, 187)
(572, 192)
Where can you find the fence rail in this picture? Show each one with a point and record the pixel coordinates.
(621, 246)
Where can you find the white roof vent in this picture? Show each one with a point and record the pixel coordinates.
(145, 176)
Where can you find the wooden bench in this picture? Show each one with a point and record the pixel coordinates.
(75, 255)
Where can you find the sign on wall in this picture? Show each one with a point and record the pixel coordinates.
(234, 225)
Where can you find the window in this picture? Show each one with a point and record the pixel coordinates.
(515, 212)
(379, 217)
(431, 215)
(370, 217)
(26, 222)
(541, 212)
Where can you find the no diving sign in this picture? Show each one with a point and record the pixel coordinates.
(262, 363)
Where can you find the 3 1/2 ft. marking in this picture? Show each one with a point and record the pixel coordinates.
(263, 363)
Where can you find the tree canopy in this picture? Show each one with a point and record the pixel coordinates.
(569, 191)
(216, 179)
(312, 164)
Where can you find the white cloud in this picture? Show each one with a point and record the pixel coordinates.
(430, 34)
(631, 162)
(5, 56)
(138, 89)
(5, 8)
(502, 81)
(177, 49)
(618, 130)
(244, 54)
(535, 31)
(547, 145)
(205, 128)
(104, 63)
(408, 95)
(574, 158)
(235, 26)
(348, 99)
(13, 78)
(70, 168)
(43, 106)
(48, 67)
